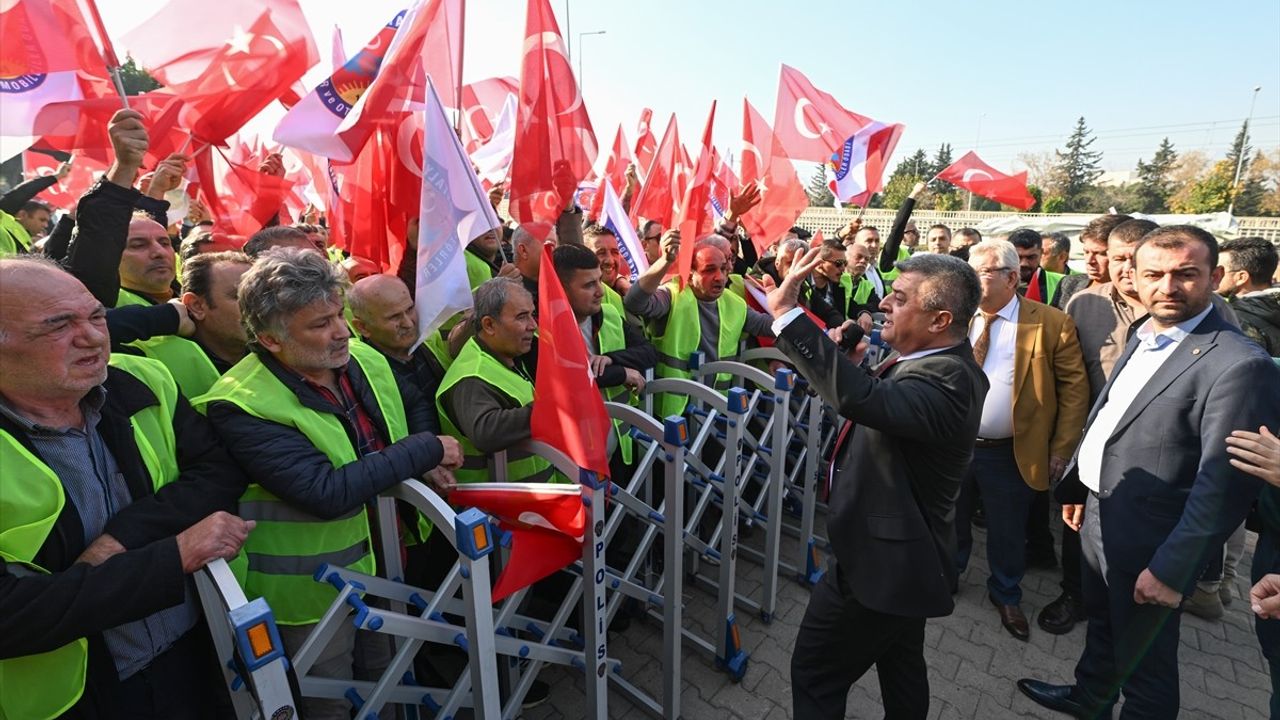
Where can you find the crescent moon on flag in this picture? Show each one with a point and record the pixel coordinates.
(968, 174)
(472, 123)
(273, 40)
(750, 148)
(549, 202)
(404, 147)
(551, 43)
(801, 125)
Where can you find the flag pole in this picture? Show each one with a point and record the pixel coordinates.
(462, 41)
(109, 56)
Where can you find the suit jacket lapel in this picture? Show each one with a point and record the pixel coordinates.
(1188, 353)
(1024, 344)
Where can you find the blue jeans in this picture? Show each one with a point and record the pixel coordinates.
(1006, 499)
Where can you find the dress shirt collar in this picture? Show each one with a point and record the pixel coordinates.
(1154, 341)
(1008, 312)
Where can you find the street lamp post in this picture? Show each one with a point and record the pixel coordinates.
(580, 36)
(1244, 143)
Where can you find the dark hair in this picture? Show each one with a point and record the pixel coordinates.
(950, 284)
(31, 206)
(1254, 255)
(1061, 243)
(595, 229)
(1176, 236)
(833, 244)
(197, 272)
(801, 232)
(968, 232)
(568, 259)
(941, 225)
(190, 246)
(1025, 239)
(1131, 231)
(647, 226)
(270, 237)
(1099, 228)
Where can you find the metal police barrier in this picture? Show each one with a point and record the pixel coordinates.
(764, 459)
(663, 445)
(423, 622)
(813, 431)
(248, 645)
(556, 642)
(714, 485)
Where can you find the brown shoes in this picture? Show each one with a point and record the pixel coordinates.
(1013, 620)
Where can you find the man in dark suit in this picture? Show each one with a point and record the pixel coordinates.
(1152, 481)
(898, 463)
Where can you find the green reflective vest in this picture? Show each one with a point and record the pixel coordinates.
(283, 551)
(612, 339)
(473, 361)
(14, 238)
(46, 685)
(186, 361)
(478, 271)
(855, 295)
(612, 298)
(682, 335)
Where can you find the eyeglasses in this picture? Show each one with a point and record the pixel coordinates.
(992, 272)
(653, 238)
(838, 263)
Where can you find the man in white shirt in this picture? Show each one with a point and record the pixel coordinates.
(1151, 481)
(1031, 420)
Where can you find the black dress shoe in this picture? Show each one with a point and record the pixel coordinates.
(1012, 619)
(1055, 697)
(1060, 616)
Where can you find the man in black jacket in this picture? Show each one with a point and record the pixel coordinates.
(897, 467)
(321, 427)
(67, 417)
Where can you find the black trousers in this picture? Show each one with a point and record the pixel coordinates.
(839, 640)
(1128, 647)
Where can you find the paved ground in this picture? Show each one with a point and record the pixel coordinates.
(973, 662)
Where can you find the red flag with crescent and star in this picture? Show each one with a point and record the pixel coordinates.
(646, 143)
(657, 199)
(555, 146)
(568, 412)
(979, 178)
(226, 65)
(615, 172)
(482, 103)
(809, 123)
(782, 197)
(695, 216)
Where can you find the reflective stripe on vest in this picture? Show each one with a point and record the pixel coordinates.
(473, 361)
(45, 685)
(682, 336)
(612, 339)
(288, 544)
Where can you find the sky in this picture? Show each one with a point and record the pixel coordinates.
(1003, 77)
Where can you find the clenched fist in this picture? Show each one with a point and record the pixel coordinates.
(218, 536)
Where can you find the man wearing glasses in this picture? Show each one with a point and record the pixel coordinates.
(651, 240)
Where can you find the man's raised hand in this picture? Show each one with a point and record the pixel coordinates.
(786, 296)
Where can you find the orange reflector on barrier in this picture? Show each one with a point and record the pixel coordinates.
(260, 640)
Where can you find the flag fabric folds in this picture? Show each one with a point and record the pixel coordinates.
(568, 412)
(312, 124)
(695, 220)
(856, 171)
(657, 199)
(615, 172)
(493, 158)
(765, 164)
(809, 123)
(646, 143)
(65, 193)
(979, 178)
(555, 145)
(454, 211)
(547, 522)
(482, 103)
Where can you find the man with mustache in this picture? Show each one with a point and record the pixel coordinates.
(321, 427)
(697, 316)
(1094, 240)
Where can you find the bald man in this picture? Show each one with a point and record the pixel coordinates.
(384, 316)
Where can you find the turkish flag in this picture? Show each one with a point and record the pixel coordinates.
(615, 172)
(230, 64)
(856, 171)
(482, 103)
(695, 220)
(428, 44)
(684, 171)
(723, 183)
(765, 164)
(65, 193)
(568, 412)
(979, 178)
(657, 199)
(809, 123)
(547, 522)
(81, 125)
(240, 199)
(41, 37)
(555, 145)
(646, 143)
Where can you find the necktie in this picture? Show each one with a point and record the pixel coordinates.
(848, 426)
(984, 338)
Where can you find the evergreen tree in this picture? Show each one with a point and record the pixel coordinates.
(819, 194)
(944, 193)
(1155, 182)
(1077, 167)
(1249, 191)
(136, 79)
